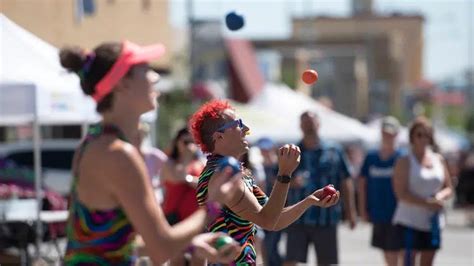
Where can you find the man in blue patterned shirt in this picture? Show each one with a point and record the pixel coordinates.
(322, 163)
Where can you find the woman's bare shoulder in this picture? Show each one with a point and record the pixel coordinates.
(109, 154)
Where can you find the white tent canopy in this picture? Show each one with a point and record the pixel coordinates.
(275, 114)
(30, 75)
(35, 89)
(32, 82)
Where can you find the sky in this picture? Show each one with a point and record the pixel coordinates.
(448, 31)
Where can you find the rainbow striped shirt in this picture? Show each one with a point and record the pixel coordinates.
(239, 229)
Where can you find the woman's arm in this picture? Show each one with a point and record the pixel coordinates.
(129, 183)
(447, 190)
(402, 192)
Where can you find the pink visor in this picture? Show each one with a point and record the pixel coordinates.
(131, 54)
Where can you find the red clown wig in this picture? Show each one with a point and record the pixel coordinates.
(205, 121)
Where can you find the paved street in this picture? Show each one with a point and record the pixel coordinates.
(458, 245)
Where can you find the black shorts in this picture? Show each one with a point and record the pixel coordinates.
(324, 239)
(387, 237)
(418, 240)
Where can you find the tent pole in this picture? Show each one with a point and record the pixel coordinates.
(84, 126)
(38, 190)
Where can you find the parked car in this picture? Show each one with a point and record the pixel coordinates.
(56, 160)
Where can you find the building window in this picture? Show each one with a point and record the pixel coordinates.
(146, 4)
(89, 7)
(84, 8)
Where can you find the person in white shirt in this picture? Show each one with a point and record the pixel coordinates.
(422, 185)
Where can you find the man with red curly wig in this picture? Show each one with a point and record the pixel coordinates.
(217, 130)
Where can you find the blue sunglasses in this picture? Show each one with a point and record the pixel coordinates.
(237, 122)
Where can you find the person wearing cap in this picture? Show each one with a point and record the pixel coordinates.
(376, 198)
(112, 199)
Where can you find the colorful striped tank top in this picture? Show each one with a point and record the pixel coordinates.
(97, 237)
(241, 230)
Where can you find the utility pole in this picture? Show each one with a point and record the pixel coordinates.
(470, 53)
(190, 14)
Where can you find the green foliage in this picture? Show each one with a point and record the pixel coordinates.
(173, 113)
(288, 75)
(470, 123)
(456, 117)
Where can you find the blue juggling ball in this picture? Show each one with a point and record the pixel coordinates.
(234, 21)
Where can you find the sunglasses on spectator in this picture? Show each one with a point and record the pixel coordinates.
(187, 141)
(237, 122)
(421, 135)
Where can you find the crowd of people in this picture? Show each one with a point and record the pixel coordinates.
(115, 216)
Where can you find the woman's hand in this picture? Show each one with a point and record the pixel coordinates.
(204, 247)
(435, 204)
(328, 201)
